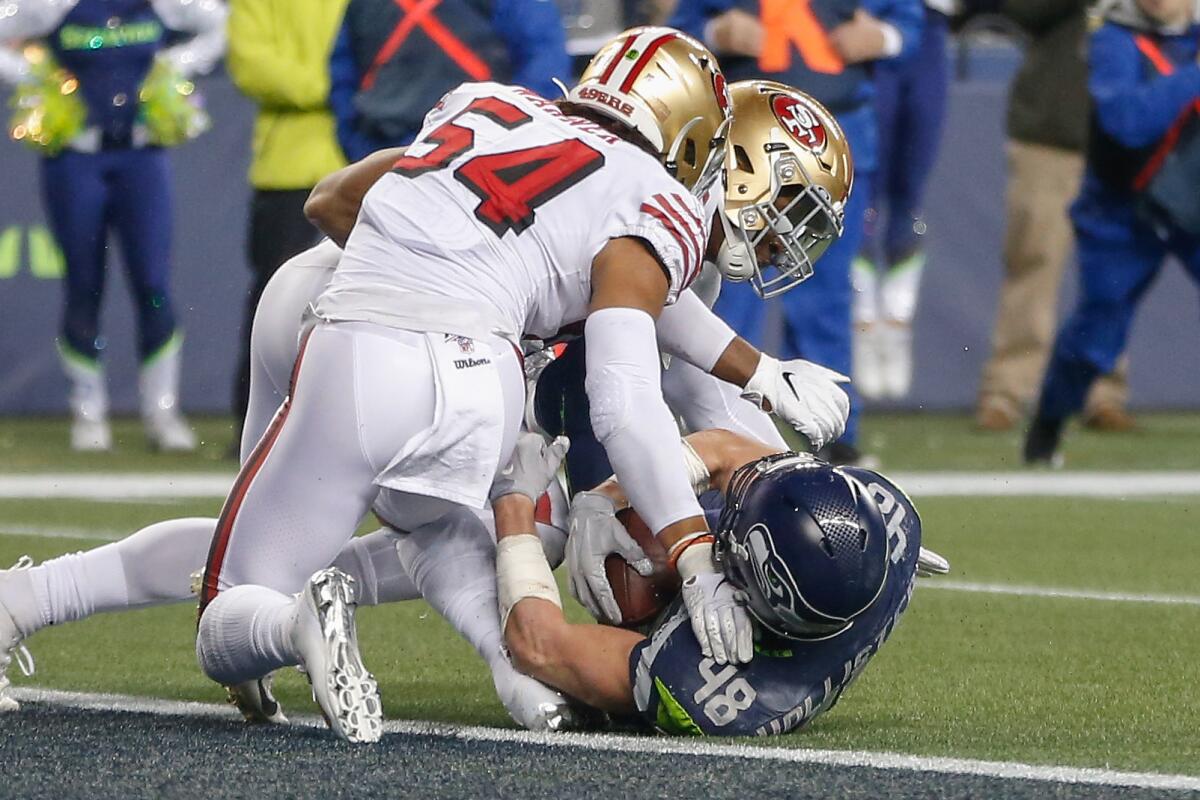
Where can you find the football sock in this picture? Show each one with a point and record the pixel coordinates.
(150, 567)
(71, 587)
(375, 565)
(245, 633)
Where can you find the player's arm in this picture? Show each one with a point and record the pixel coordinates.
(631, 420)
(334, 203)
(805, 395)
(719, 454)
(629, 415)
(587, 662)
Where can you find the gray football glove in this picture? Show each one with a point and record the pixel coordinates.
(532, 467)
(596, 533)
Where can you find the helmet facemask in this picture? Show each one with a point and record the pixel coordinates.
(799, 224)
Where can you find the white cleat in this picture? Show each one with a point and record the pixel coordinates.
(168, 431)
(256, 702)
(324, 636)
(90, 435)
(11, 647)
(532, 704)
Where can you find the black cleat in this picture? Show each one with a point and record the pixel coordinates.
(1042, 443)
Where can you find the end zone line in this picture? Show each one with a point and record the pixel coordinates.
(652, 745)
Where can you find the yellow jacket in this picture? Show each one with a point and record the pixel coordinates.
(279, 57)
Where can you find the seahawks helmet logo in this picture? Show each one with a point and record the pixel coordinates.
(778, 587)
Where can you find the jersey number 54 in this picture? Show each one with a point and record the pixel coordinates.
(509, 185)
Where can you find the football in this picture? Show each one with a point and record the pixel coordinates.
(641, 599)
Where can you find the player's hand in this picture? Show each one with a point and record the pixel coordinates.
(735, 32)
(860, 39)
(720, 622)
(595, 533)
(532, 466)
(803, 394)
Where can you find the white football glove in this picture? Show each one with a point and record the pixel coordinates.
(719, 620)
(803, 394)
(594, 534)
(532, 467)
(930, 564)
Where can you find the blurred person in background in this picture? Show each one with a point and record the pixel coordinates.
(394, 59)
(100, 93)
(1140, 200)
(1047, 131)
(910, 101)
(826, 48)
(279, 58)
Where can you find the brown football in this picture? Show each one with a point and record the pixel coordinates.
(641, 599)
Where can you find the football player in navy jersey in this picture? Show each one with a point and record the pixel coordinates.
(824, 558)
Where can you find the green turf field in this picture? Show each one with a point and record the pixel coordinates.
(1049, 680)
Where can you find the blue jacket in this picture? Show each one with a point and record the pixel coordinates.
(842, 93)
(1134, 107)
(520, 41)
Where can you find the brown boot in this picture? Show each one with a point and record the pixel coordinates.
(995, 418)
(1109, 419)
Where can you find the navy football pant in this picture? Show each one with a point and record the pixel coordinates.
(126, 192)
(1113, 277)
(562, 408)
(910, 102)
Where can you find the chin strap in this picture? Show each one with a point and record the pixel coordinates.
(735, 260)
(671, 159)
(562, 87)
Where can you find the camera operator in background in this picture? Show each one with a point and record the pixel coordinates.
(1140, 200)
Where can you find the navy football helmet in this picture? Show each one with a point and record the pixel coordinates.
(805, 541)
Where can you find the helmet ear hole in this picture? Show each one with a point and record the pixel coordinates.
(743, 159)
(689, 153)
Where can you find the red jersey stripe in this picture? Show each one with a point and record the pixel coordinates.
(680, 239)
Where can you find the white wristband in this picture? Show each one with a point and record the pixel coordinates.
(522, 571)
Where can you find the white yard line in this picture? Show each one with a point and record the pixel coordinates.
(52, 532)
(1110, 485)
(107, 486)
(1069, 594)
(1106, 485)
(660, 745)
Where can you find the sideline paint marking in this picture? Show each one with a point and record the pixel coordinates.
(654, 745)
(1070, 594)
(1106, 485)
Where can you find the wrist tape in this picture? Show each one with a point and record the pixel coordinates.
(522, 571)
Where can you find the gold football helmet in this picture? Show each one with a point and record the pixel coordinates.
(669, 88)
(788, 175)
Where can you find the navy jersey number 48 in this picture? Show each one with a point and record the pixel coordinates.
(789, 682)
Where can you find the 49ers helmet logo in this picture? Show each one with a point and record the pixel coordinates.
(801, 123)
